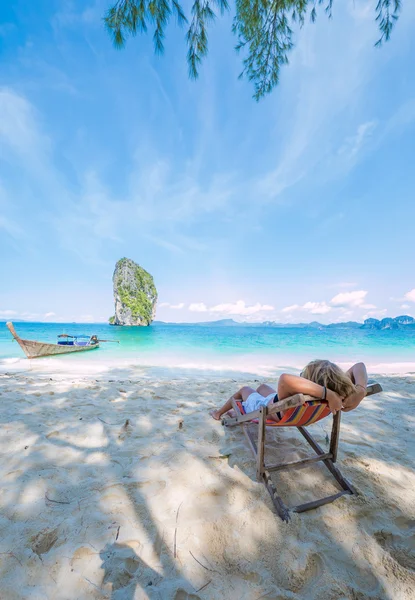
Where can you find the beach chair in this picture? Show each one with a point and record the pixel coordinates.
(301, 411)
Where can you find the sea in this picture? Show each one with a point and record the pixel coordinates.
(253, 349)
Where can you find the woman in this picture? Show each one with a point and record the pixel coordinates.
(320, 379)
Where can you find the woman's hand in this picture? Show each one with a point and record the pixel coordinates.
(353, 401)
(334, 400)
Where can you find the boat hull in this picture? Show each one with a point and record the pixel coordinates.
(34, 349)
(38, 349)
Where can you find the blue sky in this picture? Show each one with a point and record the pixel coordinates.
(297, 208)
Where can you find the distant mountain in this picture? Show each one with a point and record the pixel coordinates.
(220, 323)
(402, 322)
(14, 320)
(270, 324)
(346, 325)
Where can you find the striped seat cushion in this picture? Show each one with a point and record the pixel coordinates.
(306, 414)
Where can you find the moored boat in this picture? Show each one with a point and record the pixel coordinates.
(66, 344)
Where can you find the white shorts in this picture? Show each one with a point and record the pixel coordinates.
(255, 401)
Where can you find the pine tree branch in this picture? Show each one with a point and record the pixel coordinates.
(263, 29)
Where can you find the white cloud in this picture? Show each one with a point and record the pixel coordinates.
(240, 308)
(315, 308)
(410, 295)
(174, 306)
(405, 306)
(351, 299)
(198, 307)
(8, 313)
(236, 308)
(340, 302)
(50, 314)
(291, 308)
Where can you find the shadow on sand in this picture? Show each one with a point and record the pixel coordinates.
(97, 505)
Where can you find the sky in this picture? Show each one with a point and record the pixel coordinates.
(296, 208)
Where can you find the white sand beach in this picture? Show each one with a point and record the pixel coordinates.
(120, 485)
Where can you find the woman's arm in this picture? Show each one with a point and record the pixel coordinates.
(358, 375)
(288, 385)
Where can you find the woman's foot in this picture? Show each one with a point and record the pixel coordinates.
(215, 414)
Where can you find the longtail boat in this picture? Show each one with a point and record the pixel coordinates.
(66, 343)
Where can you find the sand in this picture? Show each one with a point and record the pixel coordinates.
(120, 485)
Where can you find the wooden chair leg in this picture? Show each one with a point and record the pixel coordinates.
(335, 434)
(260, 467)
(282, 510)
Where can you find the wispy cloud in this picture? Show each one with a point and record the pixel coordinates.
(173, 306)
(343, 285)
(8, 313)
(410, 295)
(97, 213)
(19, 131)
(353, 144)
(314, 308)
(321, 112)
(11, 228)
(239, 308)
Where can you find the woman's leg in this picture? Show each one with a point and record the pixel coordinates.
(241, 394)
(265, 390)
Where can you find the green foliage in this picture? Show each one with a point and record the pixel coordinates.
(136, 291)
(263, 29)
(138, 303)
(111, 320)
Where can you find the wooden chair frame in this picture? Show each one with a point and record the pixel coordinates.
(263, 471)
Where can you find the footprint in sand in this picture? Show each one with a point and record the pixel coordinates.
(252, 577)
(213, 437)
(305, 580)
(405, 524)
(43, 541)
(83, 553)
(120, 567)
(400, 547)
(124, 568)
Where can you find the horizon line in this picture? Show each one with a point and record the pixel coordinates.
(251, 323)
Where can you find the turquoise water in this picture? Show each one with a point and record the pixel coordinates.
(163, 344)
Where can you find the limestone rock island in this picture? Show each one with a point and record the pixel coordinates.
(135, 294)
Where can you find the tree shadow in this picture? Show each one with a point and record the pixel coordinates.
(122, 567)
(109, 495)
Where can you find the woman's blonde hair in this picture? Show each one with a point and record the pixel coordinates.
(330, 375)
